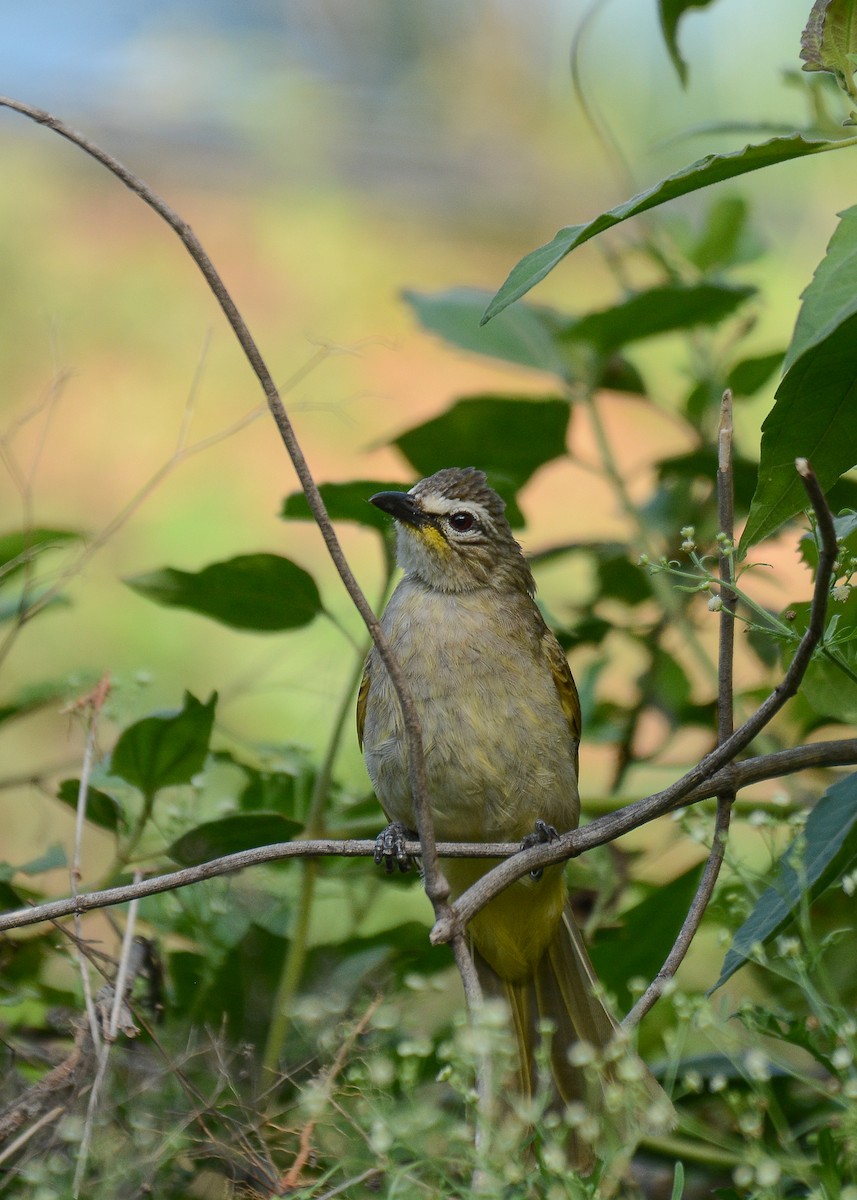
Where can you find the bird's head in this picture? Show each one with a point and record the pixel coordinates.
(452, 533)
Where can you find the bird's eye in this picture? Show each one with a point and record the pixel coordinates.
(462, 521)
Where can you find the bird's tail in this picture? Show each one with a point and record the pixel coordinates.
(591, 1073)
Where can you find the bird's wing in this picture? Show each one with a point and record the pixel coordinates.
(362, 696)
(564, 684)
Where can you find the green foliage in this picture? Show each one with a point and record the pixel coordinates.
(671, 13)
(279, 959)
(821, 854)
(261, 592)
(165, 750)
(230, 834)
(713, 168)
(813, 415)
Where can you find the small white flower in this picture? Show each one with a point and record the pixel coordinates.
(758, 1065)
(715, 604)
(768, 1172)
(841, 592)
(841, 1058)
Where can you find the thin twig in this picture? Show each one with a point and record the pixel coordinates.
(840, 753)
(92, 705)
(436, 886)
(21, 1140)
(120, 986)
(725, 720)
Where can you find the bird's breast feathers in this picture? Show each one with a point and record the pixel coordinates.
(498, 748)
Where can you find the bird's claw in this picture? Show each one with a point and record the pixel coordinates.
(390, 847)
(541, 835)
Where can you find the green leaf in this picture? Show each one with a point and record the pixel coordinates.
(507, 437)
(714, 168)
(524, 336)
(166, 749)
(101, 808)
(845, 528)
(53, 858)
(228, 835)
(261, 592)
(824, 851)
(723, 240)
(829, 40)
(814, 413)
(751, 374)
(671, 12)
(344, 502)
(19, 548)
(638, 948)
(659, 310)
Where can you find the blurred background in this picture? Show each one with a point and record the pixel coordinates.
(328, 154)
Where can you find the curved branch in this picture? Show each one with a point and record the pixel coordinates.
(436, 886)
(842, 753)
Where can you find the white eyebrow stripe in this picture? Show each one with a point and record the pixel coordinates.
(439, 506)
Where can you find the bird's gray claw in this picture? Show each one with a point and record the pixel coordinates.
(541, 835)
(390, 847)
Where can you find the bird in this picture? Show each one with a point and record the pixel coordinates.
(501, 726)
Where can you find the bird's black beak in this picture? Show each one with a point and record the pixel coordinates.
(400, 505)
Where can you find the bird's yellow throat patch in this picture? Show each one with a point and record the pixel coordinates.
(433, 538)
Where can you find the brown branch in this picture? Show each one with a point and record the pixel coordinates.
(643, 811)
(840, 753)
(436, 885)
(725, 718)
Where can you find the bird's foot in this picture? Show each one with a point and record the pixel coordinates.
(541, 835)
(390, 847)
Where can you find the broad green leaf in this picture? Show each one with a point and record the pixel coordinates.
(829, 42)
(21, 547)
(228, 835)
(345, 502)
(751, 374)
(824, 851)
(101, 808)
(714, 168)
(640, 945)
(814, 413)
(524, 336)
(508, 438)
(261, 592)
(658, 310)
(671, 12)
(166, 749)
